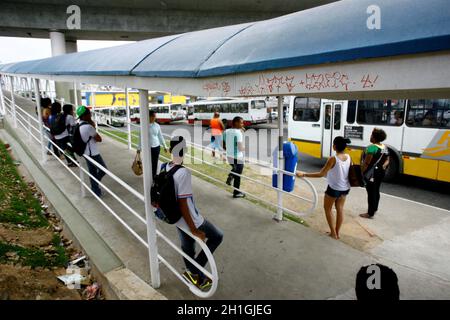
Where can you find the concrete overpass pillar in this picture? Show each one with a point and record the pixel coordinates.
(60, 45)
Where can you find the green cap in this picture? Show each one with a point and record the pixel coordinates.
(81, 110)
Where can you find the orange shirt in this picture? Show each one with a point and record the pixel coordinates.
(216, 127)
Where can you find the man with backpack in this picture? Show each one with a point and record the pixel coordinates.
(173, 198)
(84, 142)
(61, 129)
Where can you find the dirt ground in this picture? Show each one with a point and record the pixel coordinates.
(23, 283)
(31, 258)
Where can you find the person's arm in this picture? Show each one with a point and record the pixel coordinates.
(322, 173)
(240, 142)
(182, 202)
(161, 139)
(94, 134)
(370, 151)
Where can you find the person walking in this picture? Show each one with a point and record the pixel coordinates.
(217, 128)
(63, 139)
(157, 140)
(191, 220)
(374, 165)
(235, 147)
(90, 136)
(55, 110)
(336, 170)
(46, 112)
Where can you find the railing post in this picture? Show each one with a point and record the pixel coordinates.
(41, 125)
(13, 103)
(2, 99)
(279, 214)
(82, 188)
(30, 137)
(147, 173)
(75, 94)
(127, 101)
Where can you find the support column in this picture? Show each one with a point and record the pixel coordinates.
(147, 174)
(61, 45)
(279, 214)
(127, 102)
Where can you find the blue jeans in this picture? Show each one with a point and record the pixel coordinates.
(97, 173)
(214, 238)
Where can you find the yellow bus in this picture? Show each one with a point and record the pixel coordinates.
(418, 131)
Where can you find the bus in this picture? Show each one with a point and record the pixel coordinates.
(418, 131)
(253, 111)
(114, 116)
(165, 113)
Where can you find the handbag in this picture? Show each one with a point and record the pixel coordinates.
(355, 177)
(137, 164)
(368, 175)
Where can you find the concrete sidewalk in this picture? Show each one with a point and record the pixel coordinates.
(262, 259)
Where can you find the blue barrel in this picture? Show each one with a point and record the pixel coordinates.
(290, 155)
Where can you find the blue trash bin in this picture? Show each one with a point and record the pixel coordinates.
(290, 155)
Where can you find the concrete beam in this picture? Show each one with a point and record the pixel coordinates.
(35, 20)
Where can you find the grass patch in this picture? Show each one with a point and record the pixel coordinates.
(34, 257)
(209, 173)
(17, 203)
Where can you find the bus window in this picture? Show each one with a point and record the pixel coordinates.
(243, 107)
(328, 116)
(337, 116)
(225, 108)
(260, 104)
(381, 112)
(306, 109)
(351, 111)
(429, 113)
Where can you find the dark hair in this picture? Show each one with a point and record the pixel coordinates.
(151, 113)
(340, 143)
(379, 135)
(236, 120)
(46, 102)
(56, 108)
(67, 109)
(86, 113)
(177, 146)
(388, 291)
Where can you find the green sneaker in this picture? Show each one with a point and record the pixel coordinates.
(206, 284)
(192, 278)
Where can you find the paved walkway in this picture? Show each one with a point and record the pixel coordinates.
(262, 259)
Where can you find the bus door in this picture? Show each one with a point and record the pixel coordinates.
(332, 126)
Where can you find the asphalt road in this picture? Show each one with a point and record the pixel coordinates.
(412, 188)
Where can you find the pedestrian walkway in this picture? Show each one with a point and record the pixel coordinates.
(262, 259)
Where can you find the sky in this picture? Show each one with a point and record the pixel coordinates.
(20, 49)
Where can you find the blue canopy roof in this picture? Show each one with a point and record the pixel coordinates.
(336, 32)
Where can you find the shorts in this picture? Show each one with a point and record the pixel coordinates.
(336, 193)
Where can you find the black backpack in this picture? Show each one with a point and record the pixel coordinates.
(78, 145)
(58, 125)
(164, 197)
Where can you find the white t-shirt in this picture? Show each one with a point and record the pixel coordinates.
(87, 131)
(70, 122)
(183, 189)
(232, 138)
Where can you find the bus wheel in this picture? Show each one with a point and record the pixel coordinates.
(392, 169)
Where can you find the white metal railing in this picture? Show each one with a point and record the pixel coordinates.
(25, 120)
(279, 190)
